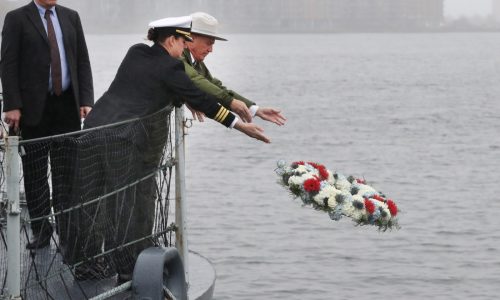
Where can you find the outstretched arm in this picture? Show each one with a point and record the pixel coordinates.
(229, 99)
(183, 86)
(271, 115)
(252, 130)
(240, 108)
(197, 115)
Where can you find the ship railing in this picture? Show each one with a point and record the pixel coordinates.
(99, 180)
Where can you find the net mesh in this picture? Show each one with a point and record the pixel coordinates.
(3, 224)
(96, 199)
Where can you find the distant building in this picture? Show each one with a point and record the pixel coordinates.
(266, 15)
(326, 15)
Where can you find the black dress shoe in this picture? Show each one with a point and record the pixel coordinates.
(40, 241)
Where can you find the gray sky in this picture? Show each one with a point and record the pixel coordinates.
(453, 8)
(456, 8)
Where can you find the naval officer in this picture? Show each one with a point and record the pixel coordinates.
(204, 34)
(149, 78)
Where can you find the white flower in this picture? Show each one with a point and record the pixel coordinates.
(332, 202)
(366, 190)
(345, 197)
(310, 168)
(330, 179)
(350, 210)
(325, 193)
(358, 198)
(353, 212)
(301, 169)
(343, 184)
(339, 198)
(385, 210)
(299, 180)
(334, 195)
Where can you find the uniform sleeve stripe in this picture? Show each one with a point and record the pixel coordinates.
(224, 116)
(219, 116)
(216, 118)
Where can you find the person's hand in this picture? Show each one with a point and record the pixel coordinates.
(240, 108)
(197, 115)
(12, 118)
(272, 115)
(84, 111)
(252, 130)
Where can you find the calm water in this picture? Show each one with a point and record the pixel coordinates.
(417, 115)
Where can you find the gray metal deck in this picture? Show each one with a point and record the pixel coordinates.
(63, 286)
(201, 277)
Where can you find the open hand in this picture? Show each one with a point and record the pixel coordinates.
(197, 115)
(272, 115)
(12, 118)
(252, 130)
(84, 111)
(239, 107)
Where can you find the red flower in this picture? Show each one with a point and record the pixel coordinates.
(312, 185)
(392, 207)
(379, 198)
(299, 163)
(313, 164)
(321, 169)
(323, 172)
(362, 181)
(370, 207)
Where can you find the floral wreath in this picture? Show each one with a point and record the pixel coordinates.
(338, 195)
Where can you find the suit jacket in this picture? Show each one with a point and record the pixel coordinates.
(25, 62)
(148, 80)
(209, 84)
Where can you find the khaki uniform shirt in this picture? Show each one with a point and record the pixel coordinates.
(201, 77)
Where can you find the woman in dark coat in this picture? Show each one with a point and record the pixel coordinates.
(149, 79)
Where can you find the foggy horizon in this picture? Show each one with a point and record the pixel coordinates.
(260, 16)
(452, 8)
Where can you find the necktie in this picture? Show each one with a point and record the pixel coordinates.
(197, 66)
(55, 59)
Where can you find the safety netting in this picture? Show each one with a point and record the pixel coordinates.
(94, 200)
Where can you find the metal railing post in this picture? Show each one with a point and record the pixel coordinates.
(180, 191)
(13, 217)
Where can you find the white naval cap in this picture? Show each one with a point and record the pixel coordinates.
(205, 24)
(180, 26)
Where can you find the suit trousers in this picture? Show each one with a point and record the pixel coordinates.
(60, 116)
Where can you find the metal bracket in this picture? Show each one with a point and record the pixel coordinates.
(188, 123)
(13, 208)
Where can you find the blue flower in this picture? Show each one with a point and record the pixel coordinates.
(336, 214)
(324, 184)
(309, 168)
(281, 164)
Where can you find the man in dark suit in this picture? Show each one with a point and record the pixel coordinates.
(47, 89)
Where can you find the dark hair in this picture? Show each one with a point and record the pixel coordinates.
(152, 34)
(159, 35)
